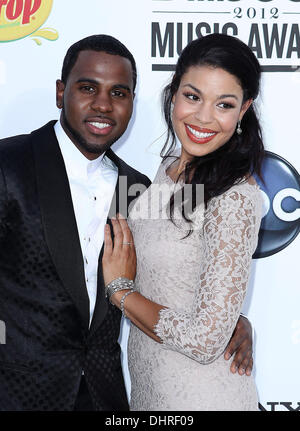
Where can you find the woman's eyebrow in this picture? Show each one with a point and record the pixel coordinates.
(222, 96)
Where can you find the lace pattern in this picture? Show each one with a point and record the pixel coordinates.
(229, 238)
(202, 279)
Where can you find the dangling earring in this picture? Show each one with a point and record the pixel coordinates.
(238, 129)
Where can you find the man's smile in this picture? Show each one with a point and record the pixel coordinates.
(100, 126)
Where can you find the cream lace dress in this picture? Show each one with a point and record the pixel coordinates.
(202, 279)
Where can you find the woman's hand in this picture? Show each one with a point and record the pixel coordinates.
(119, 258)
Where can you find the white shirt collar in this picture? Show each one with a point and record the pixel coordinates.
(77, 165)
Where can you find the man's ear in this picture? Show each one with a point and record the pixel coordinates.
(246, 105)
(60, 88)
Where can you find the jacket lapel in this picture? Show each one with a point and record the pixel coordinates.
(58, 217)
(121, 191)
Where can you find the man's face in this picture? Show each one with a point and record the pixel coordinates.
(96, 101)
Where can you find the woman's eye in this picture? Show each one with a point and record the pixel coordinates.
(191, 96)
(225, 105)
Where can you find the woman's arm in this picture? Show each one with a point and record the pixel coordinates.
(202, 333)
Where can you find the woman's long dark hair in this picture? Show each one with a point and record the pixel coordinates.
(242, 155)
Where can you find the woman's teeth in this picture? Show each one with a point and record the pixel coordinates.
(200, 135)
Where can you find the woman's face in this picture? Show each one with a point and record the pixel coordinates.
(207, 106)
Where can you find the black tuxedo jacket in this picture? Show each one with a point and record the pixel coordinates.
(43, 297)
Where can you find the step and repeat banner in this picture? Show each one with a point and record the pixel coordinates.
(34, 37)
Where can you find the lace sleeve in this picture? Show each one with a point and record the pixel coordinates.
(229, 240)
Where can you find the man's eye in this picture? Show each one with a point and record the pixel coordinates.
(87, 89)
(118, 93)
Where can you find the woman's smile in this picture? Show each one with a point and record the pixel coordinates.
(199, 135)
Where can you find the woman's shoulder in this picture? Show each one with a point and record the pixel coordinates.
(161, 174)
(246, 187)
(245, 193)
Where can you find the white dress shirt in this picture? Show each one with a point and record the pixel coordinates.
(92, 184)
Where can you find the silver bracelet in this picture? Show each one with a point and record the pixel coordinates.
(123, 300)
(118, 284)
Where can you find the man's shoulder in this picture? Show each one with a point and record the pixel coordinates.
(128, 170)
(136, 173)
(10, 140)
(14, 143)
(14, 147)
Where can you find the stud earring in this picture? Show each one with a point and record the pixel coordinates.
(238, 129)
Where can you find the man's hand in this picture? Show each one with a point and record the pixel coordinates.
(240, 345)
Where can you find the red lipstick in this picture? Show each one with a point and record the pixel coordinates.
(199, 135)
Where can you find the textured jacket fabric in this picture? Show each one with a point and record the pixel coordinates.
(43, 298)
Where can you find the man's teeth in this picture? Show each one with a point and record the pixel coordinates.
(99, 125)
(200, 134)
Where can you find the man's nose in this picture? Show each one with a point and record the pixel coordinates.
(102, 102)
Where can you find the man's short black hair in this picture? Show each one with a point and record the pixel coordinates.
(101, 43)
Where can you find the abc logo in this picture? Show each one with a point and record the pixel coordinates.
(281, 212)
